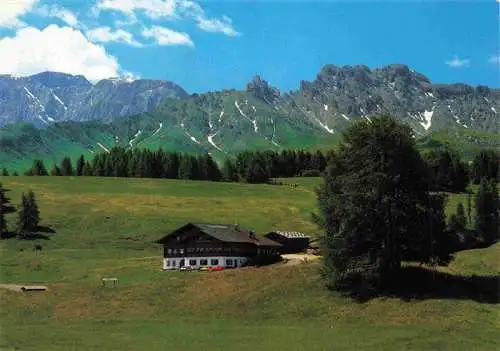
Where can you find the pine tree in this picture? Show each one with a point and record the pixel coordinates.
(79, 165)
(66, 167)
(487, 211)
(5, 208)
(55, 171)
(212, 171)
(486, 165)
(257, 174)
(29, 216)
(461, 219)
(5, 172)
(87, 169)
(38, 169)
(469, 204)
(229, 173)
(185, 168)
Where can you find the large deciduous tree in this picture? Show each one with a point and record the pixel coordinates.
(375, 207)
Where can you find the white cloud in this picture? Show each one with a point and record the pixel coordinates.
(457, 62)
(495, 59)
(165, 36)
(171, 9)
(66, 16)
(215, 25)
(105, 34)
(61, 49)
(11, 10)
(152, 8)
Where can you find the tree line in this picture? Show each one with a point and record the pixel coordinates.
(251, 167)
(445, 171)
(28, 218)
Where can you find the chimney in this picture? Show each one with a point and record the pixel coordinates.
(251, 233)
(237, 227)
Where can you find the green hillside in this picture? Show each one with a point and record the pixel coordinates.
(105, 227)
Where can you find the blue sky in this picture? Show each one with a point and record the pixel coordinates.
(211, 45)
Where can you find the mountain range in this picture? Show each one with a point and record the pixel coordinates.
(154, 114)
(50, 97)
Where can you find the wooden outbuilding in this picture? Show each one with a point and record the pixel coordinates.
(292, 242)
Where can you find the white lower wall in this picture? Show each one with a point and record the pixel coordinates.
(171, 263)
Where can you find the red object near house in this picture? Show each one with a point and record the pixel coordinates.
(217, 268)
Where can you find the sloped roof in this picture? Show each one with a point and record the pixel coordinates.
(291, 235)
(229, 233)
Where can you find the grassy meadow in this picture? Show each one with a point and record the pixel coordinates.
(106, 227)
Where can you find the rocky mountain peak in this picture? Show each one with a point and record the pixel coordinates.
(262, 90)
(59, 80)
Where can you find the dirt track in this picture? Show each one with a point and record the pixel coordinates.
(294, 259)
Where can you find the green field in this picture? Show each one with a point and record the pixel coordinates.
(105, 227)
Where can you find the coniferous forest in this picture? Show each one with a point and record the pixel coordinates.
(444, 167)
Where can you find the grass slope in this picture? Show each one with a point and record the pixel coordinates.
(105, 227)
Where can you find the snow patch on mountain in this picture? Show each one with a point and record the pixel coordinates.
(193, 138)
(189, 135)
(274, 135)
(211, 141)
(156, 131)
(325, 127)
(136, 135)
(41, 119)
(59, 100)
(29, 93)
(103, 147)
(240, 111)
(427, 119)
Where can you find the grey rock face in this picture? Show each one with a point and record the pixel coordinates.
(353, 92)
(49, 97)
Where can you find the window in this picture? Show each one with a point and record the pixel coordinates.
(190, 250)
(229, 262)
(181, 251)
(203, 262)
(192, 262)
(168, 263)
(214, 262)
(169, 251)
(173, 263)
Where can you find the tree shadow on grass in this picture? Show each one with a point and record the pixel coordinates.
(416, 283)
(40, 234)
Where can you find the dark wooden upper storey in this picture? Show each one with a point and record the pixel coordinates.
(216, 240)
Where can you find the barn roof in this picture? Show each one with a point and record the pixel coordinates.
(228, 233)
(291, 235)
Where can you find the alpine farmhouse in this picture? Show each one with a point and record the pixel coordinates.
(216, 245)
